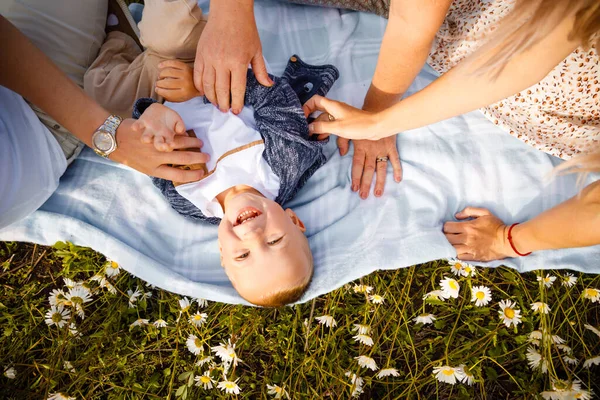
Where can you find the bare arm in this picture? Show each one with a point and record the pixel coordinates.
(573, 223)
(24, 69)
(458, 91)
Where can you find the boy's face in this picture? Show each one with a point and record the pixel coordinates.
(263, 248)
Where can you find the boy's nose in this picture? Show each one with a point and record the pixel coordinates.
(252, 233)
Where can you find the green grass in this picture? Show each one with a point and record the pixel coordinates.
(287, 347)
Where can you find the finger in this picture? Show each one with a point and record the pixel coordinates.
(168, 94)
(463, 250)
(394, 158)
(169, 73)
(223, 89)
(147, 137)
(367, 176)
(324, 128)
(175, 64)
(472, 212)
(159, 143)
(178, 175)
(343, 145)
(185, 158)
(466, 257)
(454, 227)
(186, 142)
(174, 119)
(380, 175)
(260, 70)
(456, 238)
(238, 89)
(208, 84)
(199, 73)
(168, 83)
(320, 103)
(358, 165)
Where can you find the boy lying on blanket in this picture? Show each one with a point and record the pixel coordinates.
(259, 160)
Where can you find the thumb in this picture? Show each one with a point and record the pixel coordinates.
(174, 120)
(343, 145)
(322, 128)
(260, 70)
(198, 71)
(472, 212)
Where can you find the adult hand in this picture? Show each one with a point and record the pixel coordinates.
(483, 238)
(346, 121)
(145, 158)
(228, 44)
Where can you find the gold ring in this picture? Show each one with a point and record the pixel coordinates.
(381, 159)
(331, 117)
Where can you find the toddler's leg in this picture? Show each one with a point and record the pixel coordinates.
(123, 73)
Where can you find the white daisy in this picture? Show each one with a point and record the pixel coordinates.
(448, 374)
(469, 378)
(73, 330)
(60, 396)
(376, 299)
(387, 372)
(104, 283)
(367, 362)
(71, 284)
(557, 339)
(146, 295)
(591, 328)
(133, 296)
(277, 391)
(436, 295)
(57, 315)
(194, 344)
(326, 320)
(226, 352)
(535, 335)
(78, 295)
(548, 280)
(206, 360)
(570, 360)
(542, 308)
(357, 383)
(10, 373)
(198, 319)
(362, 289)
(160, 323)
(138, 322)
(68, 366)
(201, 302)
(509, 314)
(205, 380)
(456, 267)
(569, 280)
(229, 386)
(184, 304)
(591, 361)
(592, 294)
(361, 329)
(57, 297)
(112, 268)
(564, 348)
(364, 339)
(536, 360)
(481, 295)
(468, 270)
(450, 287)
(424, 319)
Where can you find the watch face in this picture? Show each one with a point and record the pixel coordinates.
(103, 141)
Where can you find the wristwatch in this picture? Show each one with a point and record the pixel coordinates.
(104, 140)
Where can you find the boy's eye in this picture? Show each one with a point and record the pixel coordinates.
(272, 242)
(242, 256)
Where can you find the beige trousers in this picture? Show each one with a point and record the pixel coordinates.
(122, 72)
(70, 33)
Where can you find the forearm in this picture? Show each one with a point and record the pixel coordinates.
(462, 90)
(24, 69)
(224, 9)
(574, 223)
(406, 44)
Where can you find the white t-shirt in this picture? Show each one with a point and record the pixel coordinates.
(235, 148)
(31, 160)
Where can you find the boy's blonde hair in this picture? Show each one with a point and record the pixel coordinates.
(532, 20)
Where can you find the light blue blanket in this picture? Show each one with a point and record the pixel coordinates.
(447, 166)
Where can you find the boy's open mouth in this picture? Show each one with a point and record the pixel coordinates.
(247, 214)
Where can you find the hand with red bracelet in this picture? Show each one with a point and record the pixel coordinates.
(483, 238)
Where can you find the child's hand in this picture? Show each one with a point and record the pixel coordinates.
(176, 81)
(160, 124)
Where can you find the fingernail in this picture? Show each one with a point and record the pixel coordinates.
(311, 128)
(363, 195)
(223, 110)
(378, 193)
(237, 111)
(354, 188)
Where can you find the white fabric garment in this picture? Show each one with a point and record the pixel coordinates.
(31, 160)
(222, 133)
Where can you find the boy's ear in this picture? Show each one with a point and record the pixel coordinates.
(295, 219)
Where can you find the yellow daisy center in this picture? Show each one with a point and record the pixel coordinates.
(452, 284)
(57, 317)
(197, 317)
(591, 292)
(457, 267)
(480, 295)
(229, 385)
(509, 312)
(205, 379)
(232, 354)
(468, 270)
(198, 343)
(448, 372)
(114, 265)
(277, 389)
(76, 300)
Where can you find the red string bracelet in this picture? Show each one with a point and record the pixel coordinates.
(511, 242)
